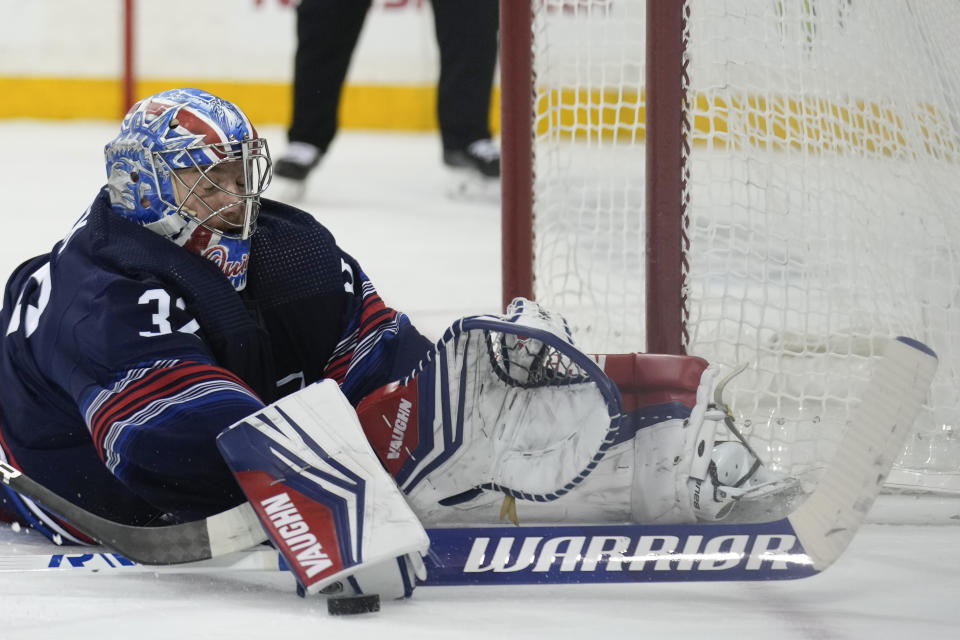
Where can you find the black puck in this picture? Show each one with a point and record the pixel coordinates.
(350, 605)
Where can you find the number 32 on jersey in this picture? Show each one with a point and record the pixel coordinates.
(162, 325)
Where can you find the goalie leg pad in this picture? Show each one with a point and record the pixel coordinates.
(668, 454)
(320, 491)
(685, 472)
(389, 579)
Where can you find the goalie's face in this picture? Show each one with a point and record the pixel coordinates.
(218, 197)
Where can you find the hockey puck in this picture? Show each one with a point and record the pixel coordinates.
(350, 605)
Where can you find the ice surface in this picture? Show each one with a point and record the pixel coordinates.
(382, 196)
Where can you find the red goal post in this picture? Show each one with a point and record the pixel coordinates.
(749, 181)
(665, 94)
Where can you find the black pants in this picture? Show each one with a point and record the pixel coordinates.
(327, 32)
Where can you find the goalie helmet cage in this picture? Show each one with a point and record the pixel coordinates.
(751, 181)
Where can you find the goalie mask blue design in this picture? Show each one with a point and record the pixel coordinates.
(191, 167)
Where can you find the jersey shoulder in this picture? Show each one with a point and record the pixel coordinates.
(92, 321)
(294, 256)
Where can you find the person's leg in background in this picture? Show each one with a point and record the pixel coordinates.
(467, 39)
(327, 33)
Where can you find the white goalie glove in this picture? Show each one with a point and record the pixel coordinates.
(505, 404)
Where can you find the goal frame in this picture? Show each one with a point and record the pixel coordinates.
(667, 126)
(671, 292)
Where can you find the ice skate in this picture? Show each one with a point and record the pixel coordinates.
(473, 172)
(291, 170)
(700, 469)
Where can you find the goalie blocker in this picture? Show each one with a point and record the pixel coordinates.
(504, 406)
(323, 498)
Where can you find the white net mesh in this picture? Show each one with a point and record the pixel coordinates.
(822, 193)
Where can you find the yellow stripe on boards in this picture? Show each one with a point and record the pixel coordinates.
(406, 108)
(809, 124)
(805, 123)
(86, 98)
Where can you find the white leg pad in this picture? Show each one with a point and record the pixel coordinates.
(668, 454)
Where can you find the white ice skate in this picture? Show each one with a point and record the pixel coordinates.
(700, 469)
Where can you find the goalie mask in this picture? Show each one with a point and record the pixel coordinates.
(190, 166)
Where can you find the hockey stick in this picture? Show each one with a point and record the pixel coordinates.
(261, 558)
(804, 543)
(232, 530)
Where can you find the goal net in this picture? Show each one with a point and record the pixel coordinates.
(817, 161)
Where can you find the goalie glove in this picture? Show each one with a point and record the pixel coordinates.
(504, 404)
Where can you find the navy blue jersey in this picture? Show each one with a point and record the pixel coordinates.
(123, 356)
